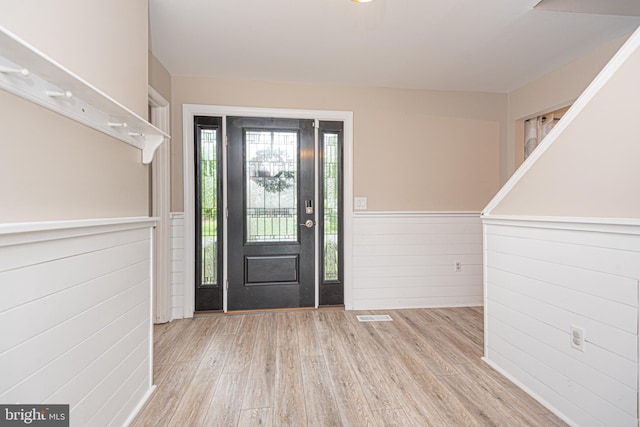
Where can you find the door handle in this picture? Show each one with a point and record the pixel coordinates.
(308, 223)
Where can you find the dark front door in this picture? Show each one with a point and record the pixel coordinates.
(271, 229)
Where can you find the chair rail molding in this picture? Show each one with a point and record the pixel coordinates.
(85, 287)
(544, 278)
(416, 259)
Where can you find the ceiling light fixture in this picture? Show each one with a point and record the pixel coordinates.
(361, 1)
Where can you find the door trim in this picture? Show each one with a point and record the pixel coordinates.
(189, 111)
(160, 207)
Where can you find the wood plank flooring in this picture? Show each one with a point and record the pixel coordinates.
(324, 368)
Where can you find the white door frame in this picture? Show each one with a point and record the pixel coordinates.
(189, 111)
(160, 208)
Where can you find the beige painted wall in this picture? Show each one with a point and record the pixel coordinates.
(60, 169)
(159, 77)
(550, 92)
(591, 169)
(413, 150)
(104, 42)
(52, 168)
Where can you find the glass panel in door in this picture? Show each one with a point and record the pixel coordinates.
(271, 185)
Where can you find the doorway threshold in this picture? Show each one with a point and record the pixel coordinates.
(269, 310)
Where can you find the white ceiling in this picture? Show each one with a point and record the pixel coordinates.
(469, 45)
(612, 7)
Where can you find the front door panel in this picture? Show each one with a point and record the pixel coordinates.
(270, 199)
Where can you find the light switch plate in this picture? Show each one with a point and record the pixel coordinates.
(360, 203)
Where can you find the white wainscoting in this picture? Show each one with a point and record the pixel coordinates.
(75, 316)
(407, 260)
(177, 265)
(544, 276)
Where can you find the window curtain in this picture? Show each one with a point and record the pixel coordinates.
(535, 129)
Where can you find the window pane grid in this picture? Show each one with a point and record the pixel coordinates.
(271, 188)
(209, 205)
(331, 197)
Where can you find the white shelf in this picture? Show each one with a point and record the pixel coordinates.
(28, 73)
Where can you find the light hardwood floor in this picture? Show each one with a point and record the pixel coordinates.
(324, 368)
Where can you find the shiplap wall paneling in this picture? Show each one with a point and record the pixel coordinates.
(75, 317)
(177, 265)
(542, 279)
(408, 260)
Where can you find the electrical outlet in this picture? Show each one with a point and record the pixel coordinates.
(457, 266)
(577, 338)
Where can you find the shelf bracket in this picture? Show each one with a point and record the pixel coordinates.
(150, 147)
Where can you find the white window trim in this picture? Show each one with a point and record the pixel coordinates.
(189, 112)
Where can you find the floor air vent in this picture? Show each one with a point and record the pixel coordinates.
(374, 318)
